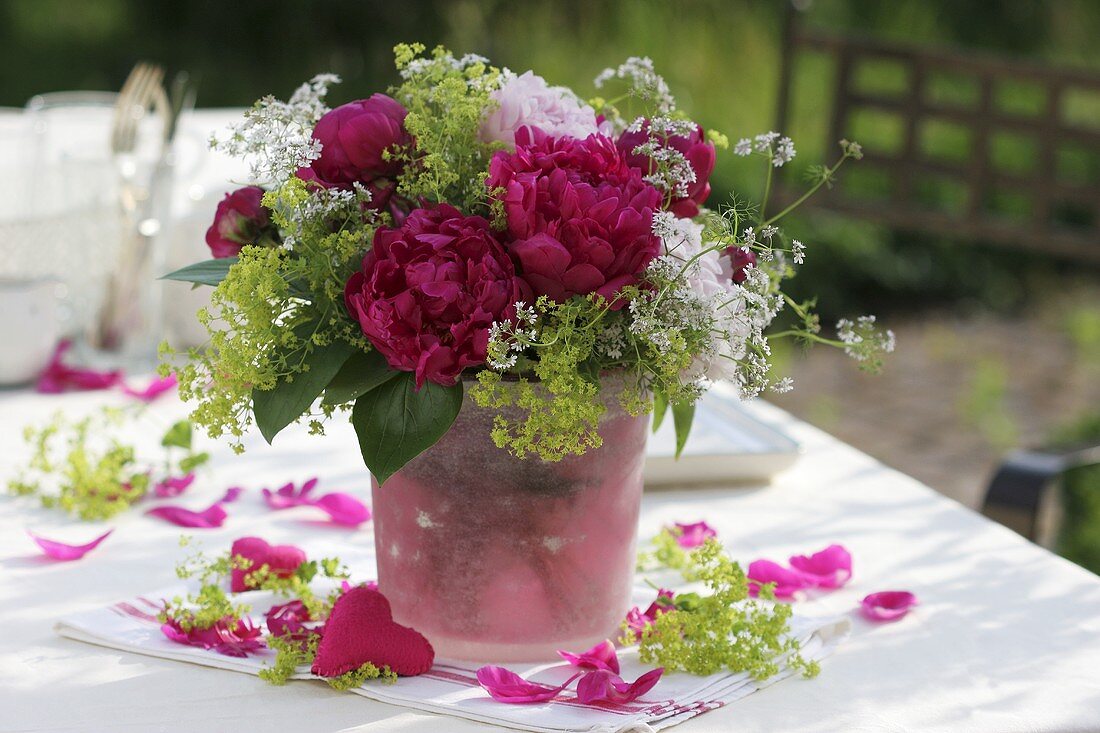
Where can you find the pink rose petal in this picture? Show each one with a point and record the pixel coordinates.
(281, 560)
(787, 582)
(506, 686)
(287, 495)
(173, 486)
(154, 389)
(605, 686)
(212, 516)
(601, 656)
(231, 495)
(637, 620)
(228, 636)
(57, 377)
(887, 605)
(289, 620)
(62, 551)
(343, 508)
(830, 568)
(693, 535)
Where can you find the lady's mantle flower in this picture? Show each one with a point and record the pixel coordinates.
(579, 218)
(430, 290)
(527, 100)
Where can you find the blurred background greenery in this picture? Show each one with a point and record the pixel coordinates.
(997, 347)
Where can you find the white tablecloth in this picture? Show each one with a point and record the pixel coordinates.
(1007, 637)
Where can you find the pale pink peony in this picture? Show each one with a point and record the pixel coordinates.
(528, 100)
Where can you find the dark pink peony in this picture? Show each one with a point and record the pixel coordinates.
(241, 218)
(429, 291)
(740, 258)
(580, 219)
(354, 140)
(699, 153)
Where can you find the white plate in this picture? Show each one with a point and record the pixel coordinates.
(727, 444)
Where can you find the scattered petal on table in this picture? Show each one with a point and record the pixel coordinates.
(62, 551)
(343, 508)
(288, 495)
(232, 494)
(637, 620)
(787, 582)
(605, 686)
(173, 486)
(281, 560)
(601, 656)
(229, 636)
(506, 686)
(288, 621)
(212, 516)
(57, 377)
(693, 535)
(887, 605)
(154, 389)
(830, 568)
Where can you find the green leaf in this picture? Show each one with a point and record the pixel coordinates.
(276, 408)
(682, 415)
(178, 436)
(360, 374)
(307, 571)
(193, 461)
(207, 272)
(660, 406)
(396, 423)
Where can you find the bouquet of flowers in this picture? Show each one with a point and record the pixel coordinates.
(480, 235)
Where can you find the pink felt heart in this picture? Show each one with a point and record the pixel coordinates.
(361, 629)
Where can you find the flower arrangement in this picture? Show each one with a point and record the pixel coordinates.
(477, 234)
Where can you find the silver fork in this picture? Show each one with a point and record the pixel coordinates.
(124, 315)
(141, 90)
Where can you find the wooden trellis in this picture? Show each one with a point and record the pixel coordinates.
(1061, 215)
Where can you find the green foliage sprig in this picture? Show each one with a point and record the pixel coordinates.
(83, 467)
(277, 315)
(665, 552)
(212, 603)
(446, 99)
(725, 630)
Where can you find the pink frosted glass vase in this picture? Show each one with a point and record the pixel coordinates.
(496, 558)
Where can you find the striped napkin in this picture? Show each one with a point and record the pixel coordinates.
(451, 688)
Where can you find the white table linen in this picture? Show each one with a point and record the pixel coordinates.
(1007, 636)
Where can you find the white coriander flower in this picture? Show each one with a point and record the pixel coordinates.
(644, 81)
(275, 137)
(784, 152)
